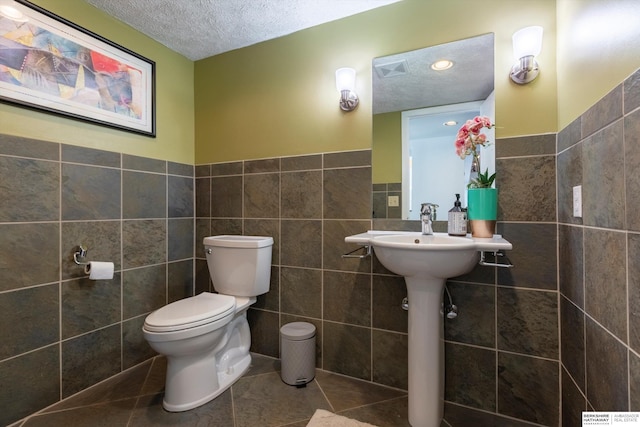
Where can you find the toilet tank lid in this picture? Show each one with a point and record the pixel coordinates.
(232, 241)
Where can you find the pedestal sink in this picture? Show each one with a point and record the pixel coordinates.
(426, 261)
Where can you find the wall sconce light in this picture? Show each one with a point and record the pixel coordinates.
(527, 44)
(346, 84)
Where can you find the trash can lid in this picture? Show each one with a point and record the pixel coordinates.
(298, 331)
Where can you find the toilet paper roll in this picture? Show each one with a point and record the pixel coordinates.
(99, 270)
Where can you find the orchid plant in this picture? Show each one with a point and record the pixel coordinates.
(467, 143)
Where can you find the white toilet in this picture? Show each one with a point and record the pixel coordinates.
(206, 337)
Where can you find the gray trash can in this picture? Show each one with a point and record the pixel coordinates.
(298, 353)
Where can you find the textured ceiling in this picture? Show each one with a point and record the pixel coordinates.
(201, 28)
(470, 78)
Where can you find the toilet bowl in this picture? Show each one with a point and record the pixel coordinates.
(206, 338)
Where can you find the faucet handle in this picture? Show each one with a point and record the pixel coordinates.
(426, 208)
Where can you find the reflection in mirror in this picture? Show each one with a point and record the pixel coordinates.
(413, 156)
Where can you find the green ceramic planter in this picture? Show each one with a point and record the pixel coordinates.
(482, 203)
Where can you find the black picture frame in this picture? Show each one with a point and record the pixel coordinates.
(51, 64)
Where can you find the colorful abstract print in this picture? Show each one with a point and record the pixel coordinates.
(36, 59)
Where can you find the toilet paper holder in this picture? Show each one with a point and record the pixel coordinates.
(80, 253)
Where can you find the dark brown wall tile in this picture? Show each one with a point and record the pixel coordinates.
(340, 340)
(135, 348)
(570, 135)
(346, 298)
(534, 145)
(179, 280)
(226, 196)
(573, 403)
(90, 304)
(528, 388)
(30, 190)
(89, 156)
(632, 92)
(32, 317)
(470, 375)
(143, 243)
(533, 256)
(387, 295)
(101, 239)
(301, 244)
(203, 197)
(90, 193)
(90, 358)
(262, 196)
(603, 178)
(569, 176)
(262, 166)
(30, 382)
(605, 111)
(476, 321)
(232, 168)
(334, 246)
(301, 194)
(572, 340)
(347, 159)
(144, 195)
(528, 322)
(264, 326)
(300, 163)
(632, 170)
(144, 164)
(180, 197)
(182, 169)
(607, 380)
(36, 238)
(347, 193)
(26, 147)
(388, 349)
(605, 279)
(301, 291)
(144, 290)
(526, 188)
(180, 239)
(633, 260)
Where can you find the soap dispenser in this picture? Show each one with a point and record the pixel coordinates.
(457, 221)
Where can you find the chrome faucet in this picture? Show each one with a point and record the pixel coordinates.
(427, 216)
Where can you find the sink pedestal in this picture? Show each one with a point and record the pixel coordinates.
(426, 262)
(426, 351)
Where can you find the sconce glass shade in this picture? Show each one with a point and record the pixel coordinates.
(345, 79)
(527, 44)
(346, 83)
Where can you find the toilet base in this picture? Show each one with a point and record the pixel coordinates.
(225, 380)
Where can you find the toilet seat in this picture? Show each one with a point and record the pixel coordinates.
(190, 312)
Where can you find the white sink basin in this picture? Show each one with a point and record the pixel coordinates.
(437, 256)
(426, 261)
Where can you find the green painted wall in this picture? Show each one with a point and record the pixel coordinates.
(598, 47)
(386, 160)
(278, 98)
(174, 97)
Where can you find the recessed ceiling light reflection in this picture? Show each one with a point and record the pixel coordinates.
(442, 64)
(450, 123)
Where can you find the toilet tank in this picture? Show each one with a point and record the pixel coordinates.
(239, 265)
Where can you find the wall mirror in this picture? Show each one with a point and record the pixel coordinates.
(413, 154)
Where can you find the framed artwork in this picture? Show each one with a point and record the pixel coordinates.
(50, 64)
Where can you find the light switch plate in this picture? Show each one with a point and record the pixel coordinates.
(577, 201)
